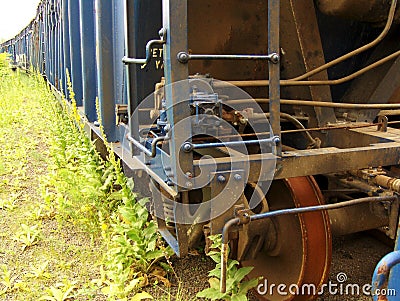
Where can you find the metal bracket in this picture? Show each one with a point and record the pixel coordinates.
(383, 123)
(151, 153)
(149, 47)
(188, 146)
(185, 57)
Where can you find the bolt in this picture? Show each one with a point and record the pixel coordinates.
(162, 32)
(189, 175)
(274, 58)
(277, 140)
(237, 177)
(221, 179)
(183, 57)
(189, 184)
(187, 147)
(169, 183)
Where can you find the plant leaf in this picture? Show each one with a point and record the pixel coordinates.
(241, 273)
(247, 285)
(211, 293)
(239, 297)
(142, 296)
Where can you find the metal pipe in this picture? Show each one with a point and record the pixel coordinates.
(312, 103)
(388, 182)
(380, 279)
(185, 57)
(297, 124)
(188, 146)
(149, 47)
(267, 215)
(151, 153)
(224, 250)
(288, 82)
(344, 127)
(356, 51)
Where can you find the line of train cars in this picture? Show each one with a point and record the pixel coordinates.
(273, 123)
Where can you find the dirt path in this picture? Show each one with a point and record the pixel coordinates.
(38, 257)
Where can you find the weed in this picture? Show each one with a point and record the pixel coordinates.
(7, 280)
(39, 272)
(79, 189)
(236, 288)
(28, 235)
(60, 292)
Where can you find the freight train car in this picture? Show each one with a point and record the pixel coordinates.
(273, 123)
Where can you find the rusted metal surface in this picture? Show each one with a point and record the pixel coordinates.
(313, 56)
(381, 278)
(367, 217)
(175, 22)
(357, 149)
(383, 88)
(317, 230)
(378, 176)
(361, 10)
(386, 276)
(229, 32)
(274, 69)
(290, 212)
(287, 258)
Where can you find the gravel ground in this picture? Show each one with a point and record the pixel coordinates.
(356, 256)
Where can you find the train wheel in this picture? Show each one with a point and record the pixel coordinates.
(296, 249)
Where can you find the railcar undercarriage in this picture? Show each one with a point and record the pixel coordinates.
(273, 123)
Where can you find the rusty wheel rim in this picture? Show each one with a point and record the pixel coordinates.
(304, 249)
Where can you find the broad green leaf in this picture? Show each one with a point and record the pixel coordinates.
(211, 293)
(239, 297)
(154, 254)
(244, 287)
(241, 273)
(214, 283)
(142, 296)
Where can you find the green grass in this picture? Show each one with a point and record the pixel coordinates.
(70, 225)
(36, 252)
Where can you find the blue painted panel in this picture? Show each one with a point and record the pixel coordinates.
(118, 50)
(394, 278)
(66, 46)
(105, 66)
(75, 49)
(88, 56)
